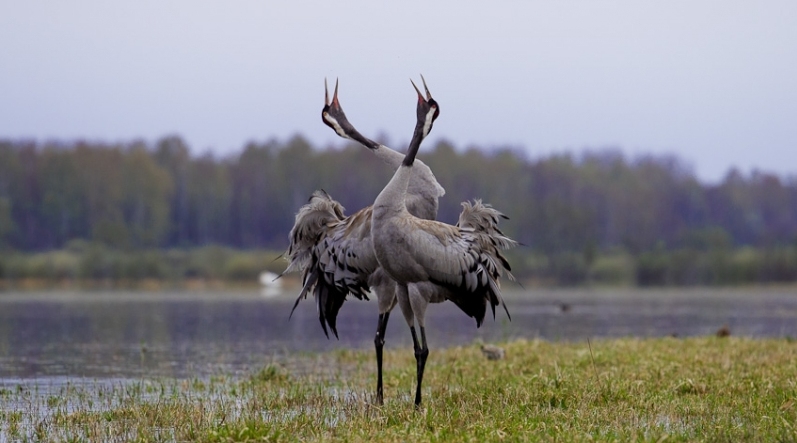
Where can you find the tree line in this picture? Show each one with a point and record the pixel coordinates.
(136, 196)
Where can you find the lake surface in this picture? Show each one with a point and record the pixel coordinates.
(51, 336)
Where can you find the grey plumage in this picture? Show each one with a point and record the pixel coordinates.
(463, 264)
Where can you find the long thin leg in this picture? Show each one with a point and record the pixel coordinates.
(379, 342)
(421, 352)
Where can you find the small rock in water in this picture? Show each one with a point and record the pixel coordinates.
(493, 352)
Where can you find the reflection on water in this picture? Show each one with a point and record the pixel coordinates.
(185, 335)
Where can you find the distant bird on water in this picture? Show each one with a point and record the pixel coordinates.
(269, 279)
(271, 285)
(433, 261)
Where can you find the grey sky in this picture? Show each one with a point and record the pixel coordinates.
(714, 82)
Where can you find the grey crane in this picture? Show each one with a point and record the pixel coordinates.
(431, 261)
(335, 252)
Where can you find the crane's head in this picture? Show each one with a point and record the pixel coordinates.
(427, 112)
(428, 109)
(332, 115)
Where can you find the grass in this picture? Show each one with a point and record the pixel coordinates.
(695, 389)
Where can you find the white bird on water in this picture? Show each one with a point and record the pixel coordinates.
(270, 279)
(271, 286)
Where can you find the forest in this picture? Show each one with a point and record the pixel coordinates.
(594, 217)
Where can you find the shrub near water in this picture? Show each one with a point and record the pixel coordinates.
(698, 389)
(87, 263)
(82, 261)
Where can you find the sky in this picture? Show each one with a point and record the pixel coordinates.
(711, 82)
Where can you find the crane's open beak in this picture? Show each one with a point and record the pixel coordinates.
(333, 116)
(335, 103)
(420, 96)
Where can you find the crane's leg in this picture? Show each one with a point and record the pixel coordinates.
(421, 352)
(379, 342)
(410, 313)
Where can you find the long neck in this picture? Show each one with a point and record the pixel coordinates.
(391, 157)
(415, 143)
(422, 191)
(395, 192)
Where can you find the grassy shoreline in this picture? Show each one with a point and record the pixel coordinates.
(695, 389)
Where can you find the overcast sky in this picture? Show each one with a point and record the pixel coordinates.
(713, 82)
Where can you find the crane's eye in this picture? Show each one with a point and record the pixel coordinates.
(436, 108)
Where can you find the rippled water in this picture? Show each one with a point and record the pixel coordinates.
(47, 337)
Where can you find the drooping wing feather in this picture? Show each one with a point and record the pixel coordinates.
(463, 260)
(334, 253)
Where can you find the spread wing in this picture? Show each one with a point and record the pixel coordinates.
(346, 254)
(465, 260)
(482, 220)
(339, 263)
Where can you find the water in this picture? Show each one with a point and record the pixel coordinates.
(73, 352)
(46, 338)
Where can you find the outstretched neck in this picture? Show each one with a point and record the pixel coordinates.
(422, 129)
(392, 199)
(412, 150)
(393, 195)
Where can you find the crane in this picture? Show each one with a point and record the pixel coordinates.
(334, 252)
(431, 261)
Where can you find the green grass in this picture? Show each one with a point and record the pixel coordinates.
(696, 389)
